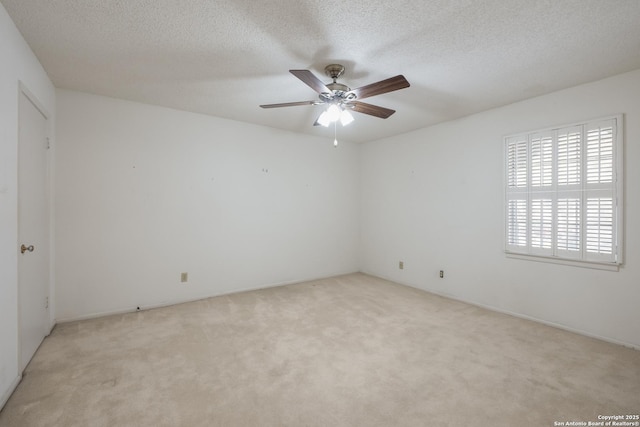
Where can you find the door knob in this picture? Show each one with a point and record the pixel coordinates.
(24, 248)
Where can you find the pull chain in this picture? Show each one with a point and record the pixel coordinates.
(335, 134)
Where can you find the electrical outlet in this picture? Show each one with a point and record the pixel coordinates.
(442, 274)
(401, 265)
(184, 277)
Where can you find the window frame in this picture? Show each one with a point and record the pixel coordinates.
(552, 192)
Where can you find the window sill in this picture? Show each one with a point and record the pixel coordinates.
(573, 263)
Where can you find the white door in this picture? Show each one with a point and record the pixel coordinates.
(33, 229)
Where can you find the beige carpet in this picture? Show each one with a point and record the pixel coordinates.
(348, 351)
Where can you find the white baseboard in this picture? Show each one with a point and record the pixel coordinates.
(125, 310)
(635, 346)
(7, 394)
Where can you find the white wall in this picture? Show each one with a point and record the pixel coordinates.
(18, 63)
(144, 193)
(434, 199)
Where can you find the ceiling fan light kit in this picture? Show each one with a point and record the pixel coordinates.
(333, 114)
(340, 99)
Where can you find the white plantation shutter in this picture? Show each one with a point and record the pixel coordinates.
(517, 161)
(568, 234)
(600, 190)
(600, 152)
(541, 225)
(540, 197)
(562, 193)
(541, 160)
(599, 226)
(569, 187)
(569, 156)
(517, 228)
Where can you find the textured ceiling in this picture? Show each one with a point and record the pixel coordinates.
(224, 58)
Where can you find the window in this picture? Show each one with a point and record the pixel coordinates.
(563, 192)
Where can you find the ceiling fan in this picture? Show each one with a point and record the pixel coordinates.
(340, 99)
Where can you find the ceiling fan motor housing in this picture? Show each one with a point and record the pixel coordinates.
(339, 91)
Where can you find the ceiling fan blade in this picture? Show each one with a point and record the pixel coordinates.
(311, 80)
(383, 86)
(289, 104)
(372, 110)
